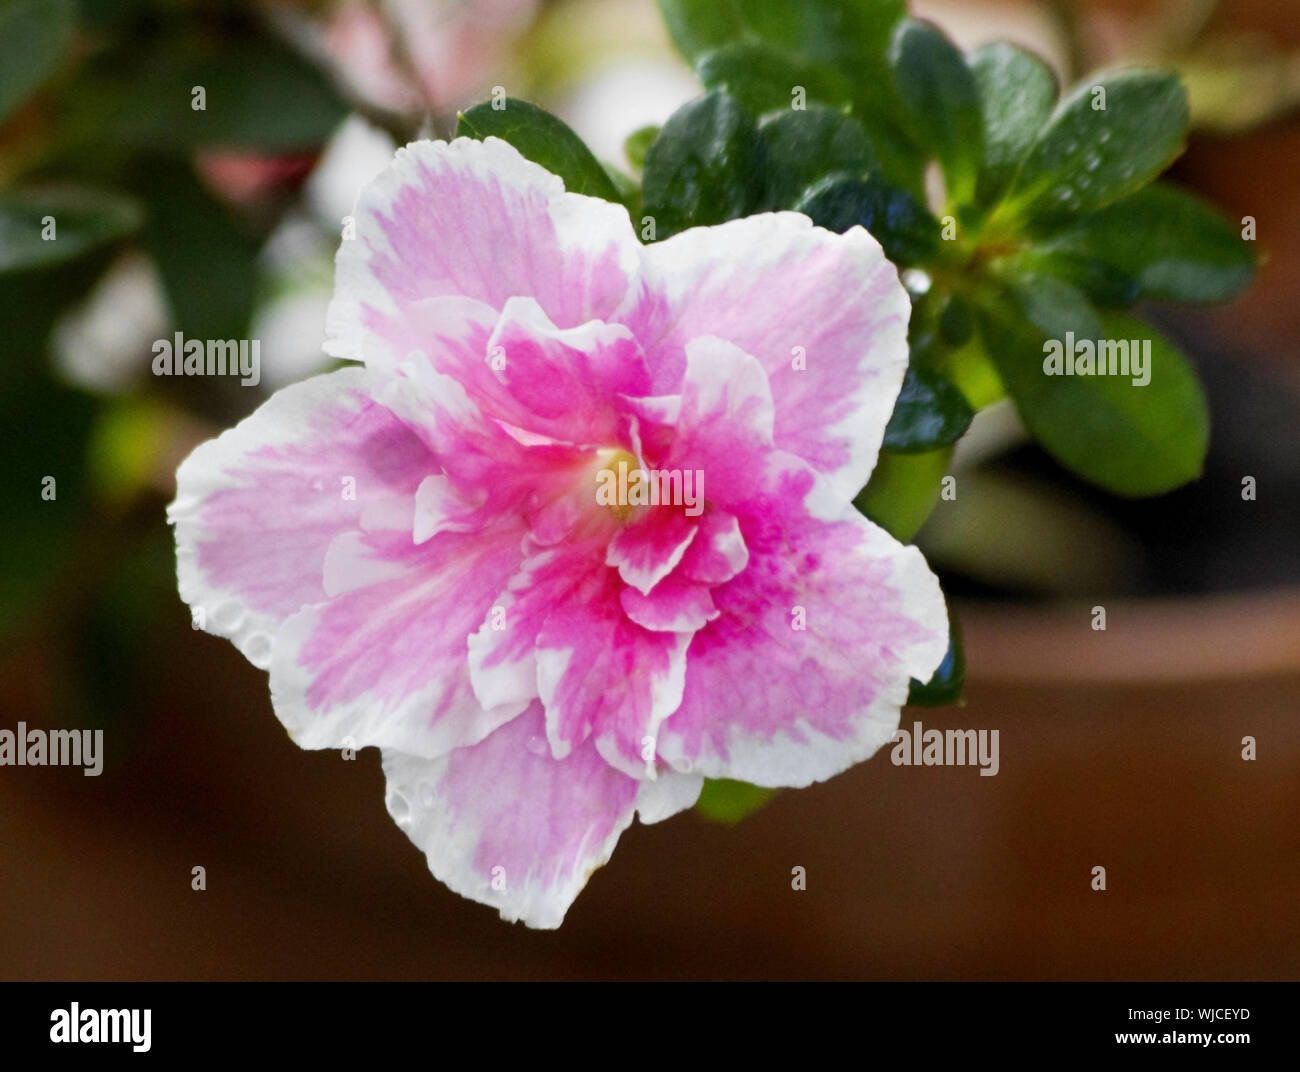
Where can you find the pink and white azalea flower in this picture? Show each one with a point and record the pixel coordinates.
(415, 549)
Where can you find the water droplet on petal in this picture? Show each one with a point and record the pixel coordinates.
(398, 807)
(228, 617)
(257, 649)
(537, 745)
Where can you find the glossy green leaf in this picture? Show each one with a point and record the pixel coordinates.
(836, 49)
(853, 35)
(34, 38)
(1108, 138)
(1017, 92)
(941, 102)
(839, 31)
(804, 147)
(908, 233)
(544, 140)
(44, 227)
(765, 79)
(1131, 439)
(708, 165)
(930, 413)
(1158, 244)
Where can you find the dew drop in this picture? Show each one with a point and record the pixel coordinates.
(537, 745)
(228, 617)
(398, 807)
(427, 797)
(257, 649)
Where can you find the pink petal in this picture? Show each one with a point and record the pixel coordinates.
(485, 464)
(502, 653)
(769, 703)
(506, 824)
(663, 797)
(724, 424)
(788, 293)
(256, 509)
(384, 662)
(718, 551)
(568, 380)
(474, 219)
(648, 549)
(675, 606)
(600, 674)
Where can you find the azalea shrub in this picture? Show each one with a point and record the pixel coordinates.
(608, 512)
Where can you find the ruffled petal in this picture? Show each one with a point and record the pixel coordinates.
(601, 675)
(474, 219)
(257, 508)
(804, 672)
(385, 661)
(507, 824)
(667, 795)
(824, 314)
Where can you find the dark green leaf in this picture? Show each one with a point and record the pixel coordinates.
(908, 233)
(842, 32)
(836, 49)
(81, 219)
(852, 35)
(930, 412)
(708, 165)
(261, 97)
(941, 102)
(208, 265)
(764, 78)
(1089, 156)
(806, 146)
(543, 139)
(945, 685)
(956, 321)
(1131, 440)
(1017, 93)
(34, 38)
(1157, 244)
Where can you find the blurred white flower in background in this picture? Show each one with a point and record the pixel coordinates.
(410, 56)
(355, 154)
(105, 343)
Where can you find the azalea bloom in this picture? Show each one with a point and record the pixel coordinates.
(414, 546)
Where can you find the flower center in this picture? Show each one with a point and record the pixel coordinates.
(622, 485)
(619, 481)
